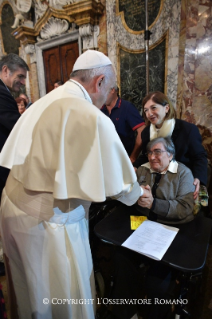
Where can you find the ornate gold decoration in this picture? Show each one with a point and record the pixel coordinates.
(28, 35)
(120, 47)
(25, 35)
(124, 22)
(86, 11)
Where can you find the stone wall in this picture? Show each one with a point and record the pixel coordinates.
(194, 96)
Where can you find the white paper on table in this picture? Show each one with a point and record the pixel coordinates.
(151, 239)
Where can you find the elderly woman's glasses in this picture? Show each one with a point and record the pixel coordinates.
(155, 152)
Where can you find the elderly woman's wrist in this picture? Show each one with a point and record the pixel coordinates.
(153, 204)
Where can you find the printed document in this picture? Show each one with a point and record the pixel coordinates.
(151, 239)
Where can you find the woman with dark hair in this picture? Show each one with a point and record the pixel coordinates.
(21, 103)
(160, 117)
(57, 84)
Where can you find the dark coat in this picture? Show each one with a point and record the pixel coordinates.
(8, 117)
(188, 148)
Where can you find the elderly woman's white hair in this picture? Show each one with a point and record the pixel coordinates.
(167, 143)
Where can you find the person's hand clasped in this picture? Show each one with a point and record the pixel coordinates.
(146, 199)
(197, 186)
(132, 159)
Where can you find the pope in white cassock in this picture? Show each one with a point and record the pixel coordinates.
(64, 153)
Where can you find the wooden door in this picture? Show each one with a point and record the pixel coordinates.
(69, 54)
(58, 63)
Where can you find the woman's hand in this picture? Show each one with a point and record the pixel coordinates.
(197, 186)
(146, 199)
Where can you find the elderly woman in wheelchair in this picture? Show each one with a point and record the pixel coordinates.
(171, 201)
(170, 184)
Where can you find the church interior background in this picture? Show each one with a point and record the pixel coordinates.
(50, 34)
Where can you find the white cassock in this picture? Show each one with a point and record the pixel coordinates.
(64, 153)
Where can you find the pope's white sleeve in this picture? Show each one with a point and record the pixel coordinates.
(130, 194)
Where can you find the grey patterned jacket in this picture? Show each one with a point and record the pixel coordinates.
(174, 200)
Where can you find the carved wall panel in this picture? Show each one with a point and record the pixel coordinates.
(54, 27)
(167, 20)
(132, 71)
(133, 13)
(10, 44)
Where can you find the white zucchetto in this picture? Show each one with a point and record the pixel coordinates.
(91, 59)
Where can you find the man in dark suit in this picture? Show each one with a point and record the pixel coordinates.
(13, 71)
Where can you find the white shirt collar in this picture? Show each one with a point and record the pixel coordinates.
(173, 166)
(86, 95)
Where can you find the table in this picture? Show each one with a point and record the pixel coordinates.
(188, 250)
(187, 253)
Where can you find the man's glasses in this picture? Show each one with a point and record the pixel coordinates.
(155, 152)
